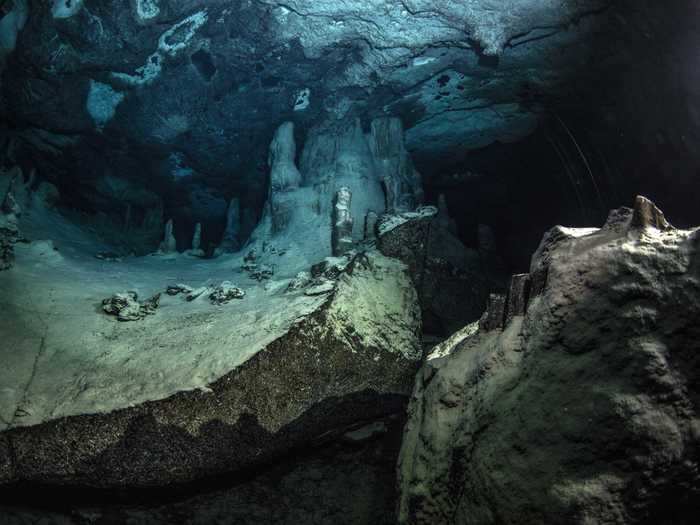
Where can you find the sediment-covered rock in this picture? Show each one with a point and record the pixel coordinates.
(125, 306)
(575, 400)
(199, 390)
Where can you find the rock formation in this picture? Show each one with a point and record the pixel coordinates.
(235, 389)
(225, 293)
(168, 244)
(230, 241)
(197, 237)
(300, 210)
(196, 250)
(125, 306)
(284, 176)
(401, 180)
(341, 240)
(574, 401)
(451, 284)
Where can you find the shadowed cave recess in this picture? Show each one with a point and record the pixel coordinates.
(361, 262)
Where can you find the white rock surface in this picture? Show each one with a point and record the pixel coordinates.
(584, 410)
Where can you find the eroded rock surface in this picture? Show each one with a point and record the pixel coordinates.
(576, 403)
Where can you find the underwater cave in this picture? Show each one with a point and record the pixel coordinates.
(364, 262)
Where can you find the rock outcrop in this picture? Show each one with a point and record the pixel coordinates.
(449, 277)
(199, 389)
(575, 400)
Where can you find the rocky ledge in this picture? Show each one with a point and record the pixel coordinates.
(574, 399)
(248, 388)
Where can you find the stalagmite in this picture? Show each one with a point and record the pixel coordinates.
(284, 176)
(342, 222)
(197, 237)
(196, 250)
(230, 241)
(168, 245)
(402, 182)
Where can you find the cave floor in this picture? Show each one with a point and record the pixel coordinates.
(62, 355)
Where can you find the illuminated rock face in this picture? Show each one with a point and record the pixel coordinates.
(575, 398)
(249, 389)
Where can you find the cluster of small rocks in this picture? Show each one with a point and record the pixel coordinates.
(126, 307)
(9, 230)
(257, 271)
(323, 275)
(225, 292)
(220, 294)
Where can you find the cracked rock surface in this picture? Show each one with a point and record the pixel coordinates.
(580, 407)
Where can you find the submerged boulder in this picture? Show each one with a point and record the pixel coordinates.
(199, 390)
(575, 399)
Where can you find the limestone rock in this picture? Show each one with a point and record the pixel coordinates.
(226, 292)
(126, 307)
(647, 215)
(301, 280)
(451, 284)
(284, 177)
(168, 245)
(196, 250)
(494, 316)
(582, 408)
(230, 242)
(402, 182)
(237, 387)
(342, 222)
